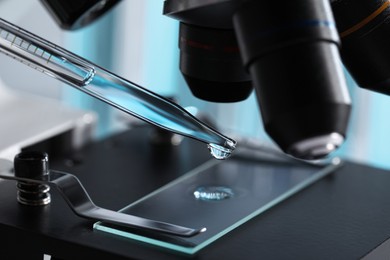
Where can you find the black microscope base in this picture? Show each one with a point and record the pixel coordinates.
(343, 216)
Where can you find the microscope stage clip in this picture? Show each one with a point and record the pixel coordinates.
(75, 195)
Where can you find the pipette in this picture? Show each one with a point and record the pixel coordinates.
(77, 72)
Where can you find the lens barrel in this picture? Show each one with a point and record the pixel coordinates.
(291, 52)
(365, 34)
(75, 14)
(211, 64)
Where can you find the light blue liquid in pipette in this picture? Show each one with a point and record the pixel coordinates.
(99, 83)
(156, 110)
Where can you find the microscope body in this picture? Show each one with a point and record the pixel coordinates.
(288, 53)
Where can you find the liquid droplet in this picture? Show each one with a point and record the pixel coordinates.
(213, 193)
(219, 152)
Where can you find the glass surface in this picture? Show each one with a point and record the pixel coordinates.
(219, 196)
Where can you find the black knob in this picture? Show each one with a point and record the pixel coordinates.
(32, 165)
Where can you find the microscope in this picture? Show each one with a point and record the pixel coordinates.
(291, 54)
(288, 53)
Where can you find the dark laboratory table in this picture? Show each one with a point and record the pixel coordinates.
(345, 215)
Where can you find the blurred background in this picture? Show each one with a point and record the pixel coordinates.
(135, 41)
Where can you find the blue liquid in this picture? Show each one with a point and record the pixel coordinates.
(155, 110)
(101, 84)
